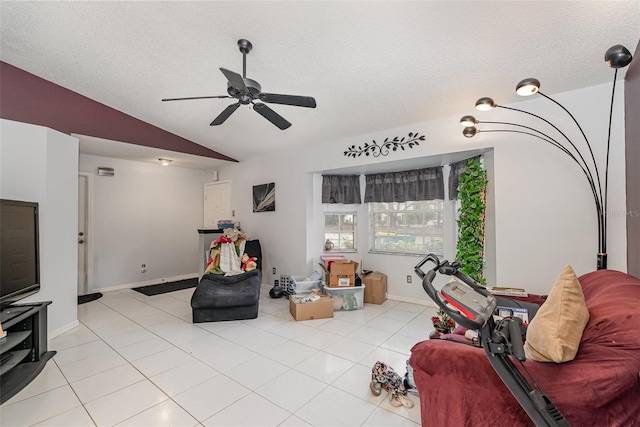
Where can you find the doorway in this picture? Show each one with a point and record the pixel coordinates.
(84, 237)
(217, 203)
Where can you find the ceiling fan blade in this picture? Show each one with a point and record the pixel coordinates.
(271, 115)
(196, 97)
(225, 114)
(235, 79)
(298, 101)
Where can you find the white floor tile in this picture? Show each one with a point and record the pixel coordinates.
(162, 361)
(144, 348)
(82, 351)
(125, 403)
(370, 335)
(76, 417)
(317, 338)
(76, 336)
(227, 357)
(183, 377)
(96, 386)
(384, 418)
(324, 367)
(39, 408)
(291, 390)
(92, 365)
(210, 397)
(291, 353)
(251, 410)
(350, 349)
(202, 346)
(356, 382)
(255, 372)
(140, 361)
(49, 379)
(165, 414)
(334, 407)
(294, 421)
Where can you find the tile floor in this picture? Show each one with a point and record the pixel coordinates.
(139, 361)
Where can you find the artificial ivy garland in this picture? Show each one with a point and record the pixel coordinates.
(472, 195)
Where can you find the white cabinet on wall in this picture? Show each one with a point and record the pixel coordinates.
(217, 203)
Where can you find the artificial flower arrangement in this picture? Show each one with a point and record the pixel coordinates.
(443, 323)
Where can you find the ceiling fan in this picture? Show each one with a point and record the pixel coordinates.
(246, 91)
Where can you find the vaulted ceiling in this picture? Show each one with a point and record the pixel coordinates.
(371, 66)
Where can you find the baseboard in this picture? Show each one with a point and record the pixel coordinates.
(146, 283)
(427, 303)
(61, 330)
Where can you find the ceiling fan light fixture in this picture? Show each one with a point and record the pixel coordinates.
(485, 104)
(528, 87)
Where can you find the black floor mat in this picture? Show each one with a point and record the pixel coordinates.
(163, 288)
(89, 297)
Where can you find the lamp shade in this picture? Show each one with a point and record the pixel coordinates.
(485, 104)
(528, 87)
(617, 56)
(469, 131)
(467, 121)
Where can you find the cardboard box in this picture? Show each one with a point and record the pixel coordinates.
(342, 274)
(320, 309)
(375, 291)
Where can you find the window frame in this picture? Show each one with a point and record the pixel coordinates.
(340, 231)
(439, 214)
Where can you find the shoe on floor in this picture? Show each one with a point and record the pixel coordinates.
(375, 387)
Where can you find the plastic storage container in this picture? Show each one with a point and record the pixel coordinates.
(351, 298)
(300, 284)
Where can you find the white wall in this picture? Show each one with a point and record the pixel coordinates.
(144, 214)
(542, 207)
(40, 165)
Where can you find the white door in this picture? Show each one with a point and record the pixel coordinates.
(217, 203)
(83, 286)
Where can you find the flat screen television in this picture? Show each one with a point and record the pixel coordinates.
(19, 251)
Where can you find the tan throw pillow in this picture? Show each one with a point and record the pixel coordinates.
(555, 332)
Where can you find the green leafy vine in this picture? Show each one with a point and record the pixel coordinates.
(472, 195)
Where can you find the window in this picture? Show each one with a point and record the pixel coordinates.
(407, 227)
(340, 229)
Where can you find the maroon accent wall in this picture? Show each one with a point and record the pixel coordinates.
(27, 98)
(632, 160)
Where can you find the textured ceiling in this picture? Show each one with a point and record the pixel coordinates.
(370, 65)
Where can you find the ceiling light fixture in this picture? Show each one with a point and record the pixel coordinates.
(165, 162)
(616, 57)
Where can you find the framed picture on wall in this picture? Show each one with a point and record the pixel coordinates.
(264, 197)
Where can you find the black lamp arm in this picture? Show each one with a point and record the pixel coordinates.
(606, 172)
(578, 152)
(593, 158)
(599, 210)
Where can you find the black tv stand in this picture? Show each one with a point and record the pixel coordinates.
(9, 312)
(23, 351)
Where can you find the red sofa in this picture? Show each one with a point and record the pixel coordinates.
(600, 387)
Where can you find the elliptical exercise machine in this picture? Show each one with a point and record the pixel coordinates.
(472, 306)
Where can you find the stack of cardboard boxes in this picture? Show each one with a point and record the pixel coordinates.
(340, 278)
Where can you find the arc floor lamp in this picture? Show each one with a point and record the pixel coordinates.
(616, 57)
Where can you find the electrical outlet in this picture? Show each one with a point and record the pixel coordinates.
(408, 278)
(274, 270)
(143, 268)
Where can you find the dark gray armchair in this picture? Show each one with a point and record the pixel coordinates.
(218, 297)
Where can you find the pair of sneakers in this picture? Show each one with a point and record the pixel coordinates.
(396, 400)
